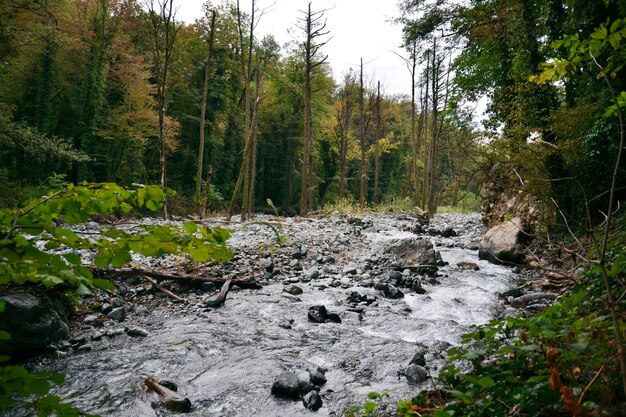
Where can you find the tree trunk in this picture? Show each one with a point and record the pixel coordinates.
(377, 148)
(207, 73)
(362, 169)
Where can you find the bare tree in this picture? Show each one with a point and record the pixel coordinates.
(163, 30)
(314, 26)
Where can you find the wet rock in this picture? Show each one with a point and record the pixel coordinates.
(266, 264)
(286, 385)
(293, 290)
(389, 290)
(84, 348)
(503, 243)
(285, 324)
(317, 375)
(468, 265)
(417, 288)
(305, 384)
(117, 314)
(515, 292)
(356, 298)
(319, 314)
(208, 287)
(33, 323)
(532, 298)
(106, 308)
(396, 277)
(312, 273)
(312, 401)
(418, 359)
(137, 332)
(350, 269)
(415, 374)
(141, 310)
(90, 319)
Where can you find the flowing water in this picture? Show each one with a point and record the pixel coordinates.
(225, 360)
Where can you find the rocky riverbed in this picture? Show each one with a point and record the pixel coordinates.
(392, 304)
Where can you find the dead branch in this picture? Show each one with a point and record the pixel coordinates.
(164, 290)
(219, 299)
(242, 282)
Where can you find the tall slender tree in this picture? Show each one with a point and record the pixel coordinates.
(314, 26)
(199, 204)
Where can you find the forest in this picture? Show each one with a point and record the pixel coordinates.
(231, 122)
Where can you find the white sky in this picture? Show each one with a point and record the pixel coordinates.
(358, 28)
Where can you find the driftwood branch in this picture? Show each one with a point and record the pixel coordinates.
(242, 282)
(164, 290)
(160, 396)
(219, 299)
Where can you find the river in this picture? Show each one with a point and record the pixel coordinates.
(225, 360)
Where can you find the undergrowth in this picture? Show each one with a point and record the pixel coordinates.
(560, 362)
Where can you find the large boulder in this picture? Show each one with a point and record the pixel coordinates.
(503, 243)
(410, 251)
(33, 322)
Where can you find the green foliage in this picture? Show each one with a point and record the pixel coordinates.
(31, 391)
(31, 233)
(373, 407)
(543, 365)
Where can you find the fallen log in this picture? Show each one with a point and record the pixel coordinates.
(247, 282)
(218, 299)
(161, 396)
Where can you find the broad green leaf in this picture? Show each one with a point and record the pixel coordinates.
(72, 258)
(57, 378)
(103, 284)
(486, 382)
(615, 25)
(83, 290)
(191, 227)
(103, 259)
(4, 335)
(121, 257)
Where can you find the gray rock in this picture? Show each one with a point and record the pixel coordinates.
(415, 374)
(266, 264)
(286, 385)
(85, 348)
(312, 273)
(208, 287)
(141, 310)
(33, 323)
(468, 265)
(312, 401)
(532, 298)
(503, 243)
(514, 292)
(319, 314)
(409, 251)
(350, 269)
(418, 359)
(305, 383)
(90, 319)
(137, 332)
(293, 290)
(317, 375)
(117, 314)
